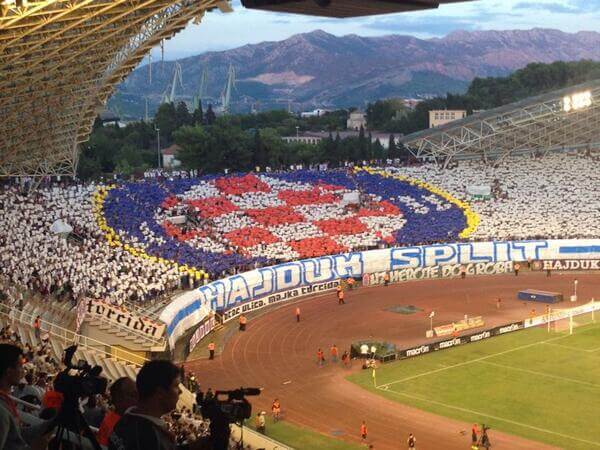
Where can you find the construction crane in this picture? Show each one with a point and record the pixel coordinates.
(203, 88)
(170, 97)
(228, 90)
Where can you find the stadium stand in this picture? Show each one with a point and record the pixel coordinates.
(130, 248)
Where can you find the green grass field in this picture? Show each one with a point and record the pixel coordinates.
(303, 439)
(539, 385)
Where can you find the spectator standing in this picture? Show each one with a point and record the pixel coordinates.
(516, 268)
(11, 435)
(211, 350)
(411, 442)
(276, 410)
(320, 357)
(350, 283)
(474, 435)
(340, 296)
(37, 327)
(142, 427)
(123, 395)
(297, 314)
(261, 422)
(386, 279)
(363, 431)
(334, 353)
(243, 322)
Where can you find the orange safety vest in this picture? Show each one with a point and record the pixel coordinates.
(339, 288)
(243, 320)
(350, 281)
(334, 351)
(211, 346)
(36, 323)
(297, 311)
(341, 295)
(363, 429)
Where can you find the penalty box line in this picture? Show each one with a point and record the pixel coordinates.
(501, 419)
(464, 363)
(541, 374)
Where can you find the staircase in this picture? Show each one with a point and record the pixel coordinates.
(115, 361)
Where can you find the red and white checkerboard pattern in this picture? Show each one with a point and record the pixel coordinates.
(265, 216)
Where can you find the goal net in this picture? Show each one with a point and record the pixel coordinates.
(567, 320)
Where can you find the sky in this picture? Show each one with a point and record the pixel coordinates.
(219, 31)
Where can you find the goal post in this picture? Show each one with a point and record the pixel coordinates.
(567, 320)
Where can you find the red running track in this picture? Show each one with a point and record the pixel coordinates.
(278, 354)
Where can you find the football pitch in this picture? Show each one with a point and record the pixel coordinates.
(544, 386)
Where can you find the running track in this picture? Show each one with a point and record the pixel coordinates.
(278, 354)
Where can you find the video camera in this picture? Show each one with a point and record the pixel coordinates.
(87, 382)
(235, 408)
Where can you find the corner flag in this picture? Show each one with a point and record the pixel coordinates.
(432, 315)
(374, 379)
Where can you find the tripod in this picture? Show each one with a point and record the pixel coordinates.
(70, 419)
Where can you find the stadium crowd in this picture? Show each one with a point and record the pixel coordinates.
(39, 384)
(240, 222)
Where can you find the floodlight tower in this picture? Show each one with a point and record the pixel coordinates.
(170, 97)
(229, 87)
(203, 88)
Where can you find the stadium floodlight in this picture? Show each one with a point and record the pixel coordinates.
(577, 101)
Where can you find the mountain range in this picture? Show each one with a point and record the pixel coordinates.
(318, 69)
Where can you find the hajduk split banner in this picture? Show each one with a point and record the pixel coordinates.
(191, 308)
(449, 271)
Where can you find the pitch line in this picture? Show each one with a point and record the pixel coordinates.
(501, 419)
(547, 375)
(592, 350)
(464, 363)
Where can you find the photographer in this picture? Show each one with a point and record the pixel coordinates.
(12, 437)
(141, 427)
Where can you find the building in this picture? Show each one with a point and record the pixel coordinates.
(316, 113)
(356, 120)
(169, 155)
(438, 117)
(315, 137)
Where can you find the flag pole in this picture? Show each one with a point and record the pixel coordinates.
(374, 379)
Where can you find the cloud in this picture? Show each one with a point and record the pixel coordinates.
(571, 7)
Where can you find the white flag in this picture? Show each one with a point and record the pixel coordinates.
(432, 315)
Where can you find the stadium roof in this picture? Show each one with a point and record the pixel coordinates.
(565, 118)
(60, 61)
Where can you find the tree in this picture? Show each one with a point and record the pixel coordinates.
(196, 149)
(259, 153)
(378, 151)
(166, 121)
(210, 115)
(392, 148)
(198, 115)
(182, 115)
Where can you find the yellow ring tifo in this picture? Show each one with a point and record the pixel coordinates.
(113, 239)
(471, 216)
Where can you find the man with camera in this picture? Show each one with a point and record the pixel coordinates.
(141, 427)
(12, 437)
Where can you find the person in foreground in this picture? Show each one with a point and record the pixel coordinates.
(12, 437)
(141, 427)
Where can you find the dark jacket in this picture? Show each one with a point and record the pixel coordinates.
(140, 432)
